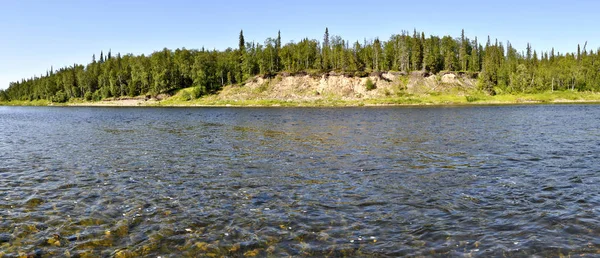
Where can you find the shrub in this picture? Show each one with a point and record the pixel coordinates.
(361, 74)
(105, 92)
(472, 98)
(370, 85)
(88, 96)
(186, 95)
(96, 96)
(60, 97)
(263, 87)
(3, 96)
(197, 92)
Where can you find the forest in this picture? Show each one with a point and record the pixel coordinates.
(499, 67)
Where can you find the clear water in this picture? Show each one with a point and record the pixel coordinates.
(177, 182)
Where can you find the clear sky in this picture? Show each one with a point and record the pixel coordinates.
(37, 34)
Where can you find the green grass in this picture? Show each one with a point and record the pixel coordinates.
(38, 102)
(181, 98)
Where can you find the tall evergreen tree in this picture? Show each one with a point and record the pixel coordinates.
(463, 57)
(241, 57)
(325, 50)
(278, 51)
(417, 52)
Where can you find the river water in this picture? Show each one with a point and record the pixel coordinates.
(187, 182)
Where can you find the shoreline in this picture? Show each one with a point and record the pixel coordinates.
(336, 91)
(298, 103)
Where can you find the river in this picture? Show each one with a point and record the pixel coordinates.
(390, 181)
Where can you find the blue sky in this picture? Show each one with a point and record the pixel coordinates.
(37, 34)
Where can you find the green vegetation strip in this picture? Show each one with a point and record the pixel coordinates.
(405, 100)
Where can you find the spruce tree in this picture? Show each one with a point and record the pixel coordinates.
(417, 52)
(474, 64)
(278, 51)
(463, 57)
(325, 50)
(241, 56)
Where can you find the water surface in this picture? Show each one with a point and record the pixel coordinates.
(187, 182)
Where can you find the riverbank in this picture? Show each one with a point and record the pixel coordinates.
(337, 90)
(409, 100)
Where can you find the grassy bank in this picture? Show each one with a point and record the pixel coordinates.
(26, 103)
(262, 95)
(401, 100)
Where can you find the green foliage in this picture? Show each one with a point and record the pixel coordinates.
(370, 85)
(97, 96)
(187, 95)
(196, 92)
(263, 87)
(88, 96)
(60, 97)
(471, 98)
(387, 92)
(3, 96)
(403, 82)
(500, 69)
(105, 92)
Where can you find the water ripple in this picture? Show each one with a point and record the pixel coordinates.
(464, 181)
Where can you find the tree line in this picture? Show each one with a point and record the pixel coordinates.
(499, 67)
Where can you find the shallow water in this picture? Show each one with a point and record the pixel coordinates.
(178, 182)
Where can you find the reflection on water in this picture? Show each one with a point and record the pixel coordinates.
(125, 182)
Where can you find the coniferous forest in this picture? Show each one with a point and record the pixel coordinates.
(500, 68)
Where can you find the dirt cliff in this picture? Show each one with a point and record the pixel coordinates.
(332, 85)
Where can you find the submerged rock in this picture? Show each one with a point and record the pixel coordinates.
(4, 238)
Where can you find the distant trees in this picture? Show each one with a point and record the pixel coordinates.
(500, 69)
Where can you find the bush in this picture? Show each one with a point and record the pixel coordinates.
(370, 85)
(88, 96)
(471, 98)
(186, 95)
(197, 92)
(96, 96)
(60, 97)
(132, 90)
(361, 74)
(3, 96)
(105, 92)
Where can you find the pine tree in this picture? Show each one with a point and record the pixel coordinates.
(474, 64)
(417, 52)
(325, 50)
(242, 42)
(376, 53)
(241, 56)
(463, 57)
(278, 51)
